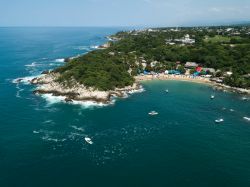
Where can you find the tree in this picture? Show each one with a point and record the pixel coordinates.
(181, 69)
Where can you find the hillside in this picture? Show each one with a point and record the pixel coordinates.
(131, 53)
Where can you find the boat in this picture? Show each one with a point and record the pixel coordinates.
(219, 120)
(88, 140)
(167, 91)
(246, 118)
(244, 98)
(153, 113)
(212, 97)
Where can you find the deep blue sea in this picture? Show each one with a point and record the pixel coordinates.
(42, 140)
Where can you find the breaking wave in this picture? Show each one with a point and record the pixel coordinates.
(51, 99)
(24, 80)
(60, 60)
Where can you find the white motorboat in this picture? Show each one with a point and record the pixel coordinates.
(246, 118)
(166, 91)
(244, 98)
(88, 140)
(212, 97)
(153, 113)
(219, 120)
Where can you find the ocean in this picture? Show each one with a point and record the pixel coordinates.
(42, 139)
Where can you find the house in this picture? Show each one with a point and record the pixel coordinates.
(211, 70)
(191, 65)
(186, 40)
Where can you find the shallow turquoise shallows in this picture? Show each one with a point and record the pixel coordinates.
(42, 141)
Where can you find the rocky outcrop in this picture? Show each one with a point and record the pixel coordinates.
(224, 87)
(48, 84)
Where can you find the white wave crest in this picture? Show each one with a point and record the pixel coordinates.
(47, 138)
(77, 128)
(95, 47)
(51, 99)
(88, 104)
(24, 80)
(60, 60)
(33, 64)
(82, 48)
(140, 90)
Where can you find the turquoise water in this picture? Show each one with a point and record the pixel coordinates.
(42, 143)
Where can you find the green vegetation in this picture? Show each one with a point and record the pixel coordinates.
(97, 69)
(218, 39)
(115, 66)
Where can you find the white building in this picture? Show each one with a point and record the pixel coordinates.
(186, 40)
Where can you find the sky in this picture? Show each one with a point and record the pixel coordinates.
(122, 12)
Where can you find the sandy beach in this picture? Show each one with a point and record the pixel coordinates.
(189, 78)
(162, 76)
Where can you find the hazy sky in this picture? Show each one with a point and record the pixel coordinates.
(121, 12)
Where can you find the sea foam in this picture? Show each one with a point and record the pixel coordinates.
(24, 80)
(51, 99)
(60, 60)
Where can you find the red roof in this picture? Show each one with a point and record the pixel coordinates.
(198, 69)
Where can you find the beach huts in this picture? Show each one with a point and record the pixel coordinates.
(191, 65)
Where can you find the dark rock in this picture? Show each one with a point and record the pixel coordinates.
(68, 100)
(18, 80)
(67, 59)
(45, 72)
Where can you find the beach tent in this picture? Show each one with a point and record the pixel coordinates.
(196, 74)
(174, 72)
(198, 69)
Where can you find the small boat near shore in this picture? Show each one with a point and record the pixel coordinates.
(246, 118)
(212, 97)
(153, 113)
(219, 120)
(88, 140)
(244, 98)
(167, 91)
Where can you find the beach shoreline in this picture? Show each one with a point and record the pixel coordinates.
(193, 79)
(202, 80)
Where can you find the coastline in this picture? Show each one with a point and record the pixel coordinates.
(76, 92)
(142, 78)
(189, 78)
(47, 86)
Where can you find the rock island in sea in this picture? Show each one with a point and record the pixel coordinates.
(117, 67)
